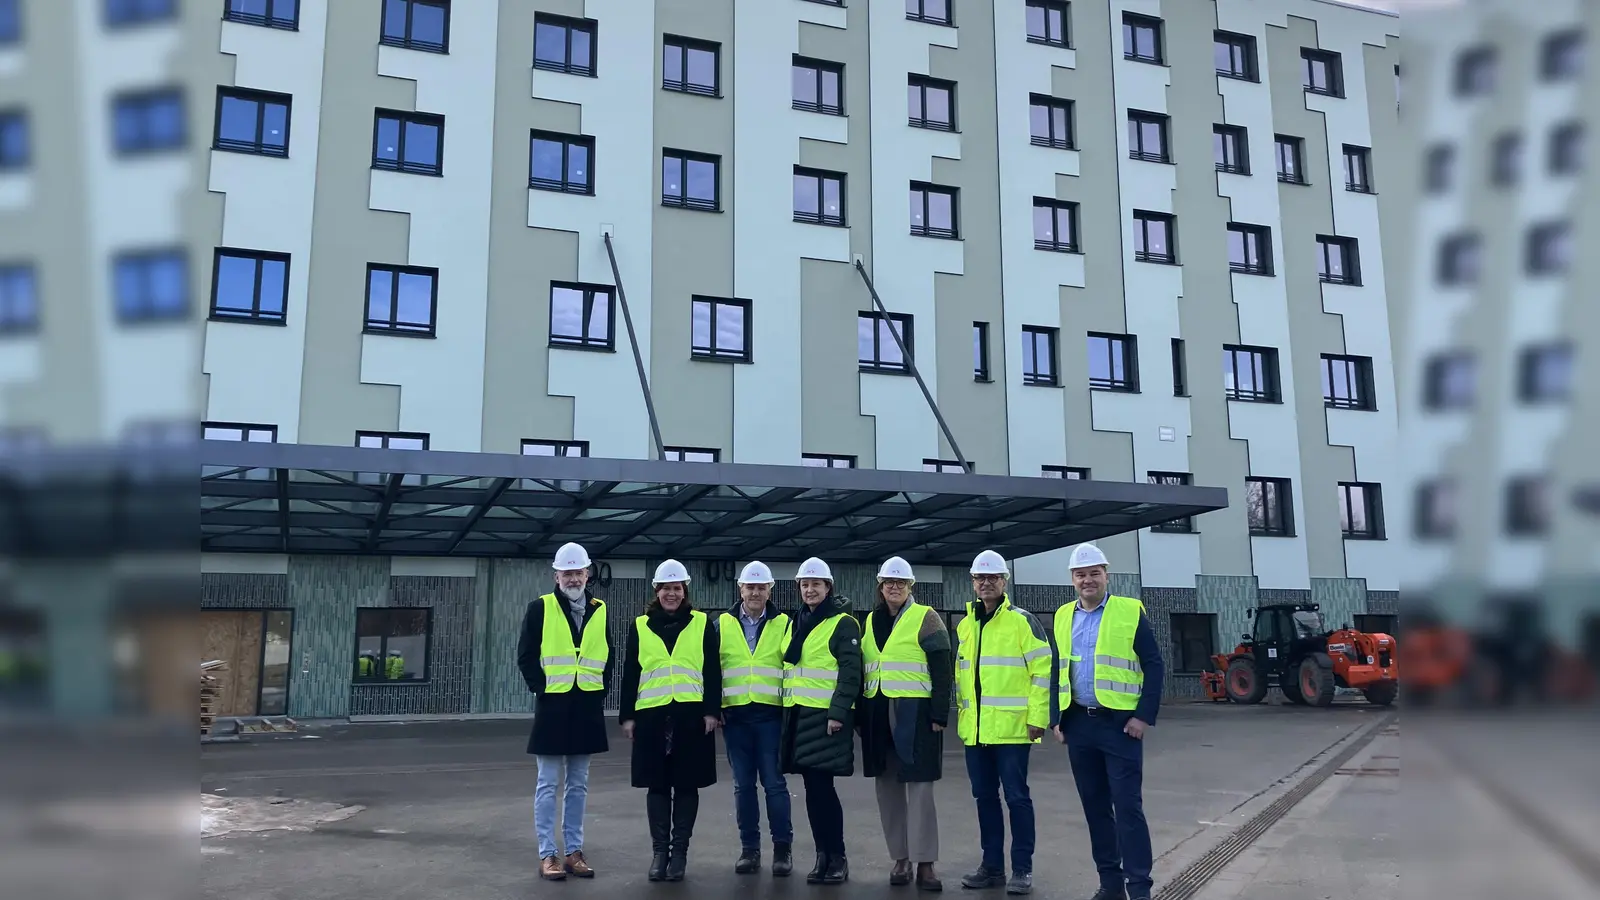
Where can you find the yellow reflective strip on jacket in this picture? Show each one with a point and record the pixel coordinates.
(1118, 676)
(901, 655)
(671, 677)
(1002, 677)
(565, 664)
(752, 676)
(811, 681)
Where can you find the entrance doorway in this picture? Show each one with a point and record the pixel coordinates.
(255, 645)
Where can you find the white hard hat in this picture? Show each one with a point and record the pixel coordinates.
(814, 568)
(670, 571)
(895, 567)
(756, 573)
(1085, 555)
(990, 563)
(570, 558)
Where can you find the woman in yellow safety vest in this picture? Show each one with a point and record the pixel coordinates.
(671, 706)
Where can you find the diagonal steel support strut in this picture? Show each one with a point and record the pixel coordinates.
(638, 360)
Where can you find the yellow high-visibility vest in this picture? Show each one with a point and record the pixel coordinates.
(812, 681)
(675, 677)
(1118, 677)
(752, 676)
(566, 664)
(900, 667)
(1010, 665)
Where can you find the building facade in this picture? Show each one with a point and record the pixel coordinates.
(1122, 240)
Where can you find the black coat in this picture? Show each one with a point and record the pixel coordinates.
(692, 760)
(805, 743)
(920, 748)
(572, 723)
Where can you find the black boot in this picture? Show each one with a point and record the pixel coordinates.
(782, 861)
(815, 875)
(659, 808)
(749, 862)
(685, 808)
(838, 871)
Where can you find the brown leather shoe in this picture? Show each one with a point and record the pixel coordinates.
(550, 869)
(578, 866)
(901, 873)
(927, 880)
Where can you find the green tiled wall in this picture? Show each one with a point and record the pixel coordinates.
(324, 592)
(1341, 599)
(511, 584)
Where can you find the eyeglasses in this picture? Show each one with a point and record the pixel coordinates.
(988, 579)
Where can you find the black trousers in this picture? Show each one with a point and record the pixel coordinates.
(825, 812)
(672, 813)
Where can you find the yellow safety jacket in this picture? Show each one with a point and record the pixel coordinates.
(1002, 677)
(752, 676)
(1118, 677)
(812, 681)
(676, 677)
(900, 667)
(565, 664)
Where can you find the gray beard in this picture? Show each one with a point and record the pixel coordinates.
(573, 595)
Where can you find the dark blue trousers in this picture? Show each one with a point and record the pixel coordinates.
(995, 769)
(752, 745)
(1109, 769)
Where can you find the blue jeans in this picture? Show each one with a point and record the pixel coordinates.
(992, 769)
(753, 752)
(576, 799)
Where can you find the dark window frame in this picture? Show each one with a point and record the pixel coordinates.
(1527, 506)
(982, 368)
(1057, 108)
(1261, 236)
(1350, 250)
(683, 454)
(1358, 376)
(389, 612)
(1358, 169)
(1180, 368)
(11, 29)
(567, 142)
(12, 276)
(819, 68)
(385, 441)
(821, 177)
(1049, 338)
(1129, 348)
(1277, 507)
(1548, 250)
(145, 315)
(1137, 118)
(1057, 207)
(1371, 497)
(714, 353)
(1296, 147)
(948, 19)
(121, 14)
(1434, 512)
(1143, 219)
(1132, 25)
(924, 84)
(262, 99)
(392, 326)
(1470, 65)
(684, 45)
(1235, 143)
(1565, 153)
(270, 19)
(1262, 362)
(143, 101)
(557, 448)
(683, 200)
(591, 294)
(569, 25)
(1065, 473)
(1189, 631)
(1441, 375)
(927, 189)
(1460, 259)
(1064, 9)
(948, 466)
(245, 431)
(255, 315)
(402, 119)
(1505, 159)
(1552, 65)
(19, 119)
(407, 40)
(827, 460)
(1183, 525)
(1533, 384)
(1242, 50)
(907, 331)
(1332, 65)
(1438, 168)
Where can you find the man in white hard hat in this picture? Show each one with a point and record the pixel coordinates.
(1108, 694)
(752, 636)
(565, 657)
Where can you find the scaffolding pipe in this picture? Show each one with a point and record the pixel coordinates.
(638, 359)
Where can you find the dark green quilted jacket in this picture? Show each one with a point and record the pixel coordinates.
(807, 746)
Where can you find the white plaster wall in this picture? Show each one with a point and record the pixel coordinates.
(617, 111)
(268, 205)
(904, 267)
(16, 190)
(768, 245)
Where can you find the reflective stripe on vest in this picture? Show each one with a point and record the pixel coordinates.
(900, 668)
(566, 664)
(812, 681)
(1118, 677)
(998, 677)
(672, 677)
(752, 677)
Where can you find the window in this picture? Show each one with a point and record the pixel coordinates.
(1194, 640)
(1439, 168)
(1230, 144)
(947, 466)
(1291, 159)
(1267, 507)
(19, 299)
(417, 25)
(1184, 525)
(1436, 508)
(408, 142)
(1039, 356)
(1141, 39)
(1506, 156)
(392, 645)
(124, 13)
(1361, 511)
(1065, 473)
(816, 86)
(1180, 368)
(1566, 148)
(818, 197)
(1337, 260)
(1050, 122)
(1055, 225)
(1347, 382)
(690, 66)
(10, 22)
(933, 211)
(555, 448)
(827, 461)
(1358, 169)
(250, 285)
(1561, 55)
(1249, 249)
(1235, 55)
(1544, 372)
(561, 162)
(236, 431)
(284, 14)
(980, 352)
(1460, 259)
(252, 122)
(720, 329)
(563, 44)
(1527, 505)
(1049, 22)
(1450, 380)
(1322, 72)
(1251, 374)
(151, 285)
(1549, 248)
(931, 103)
(1475, 72)
(1147, 137)
(1153, 237)
(692, 454)
(148, 121)
(581, 316)
(690, 180)
(876, 348)
(402, 300)
(390, 440)
(1113, 362)
(16, 143)
(936, 12)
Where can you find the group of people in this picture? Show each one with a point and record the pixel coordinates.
(790, 692)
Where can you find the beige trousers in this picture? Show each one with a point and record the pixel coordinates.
(910, 825)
